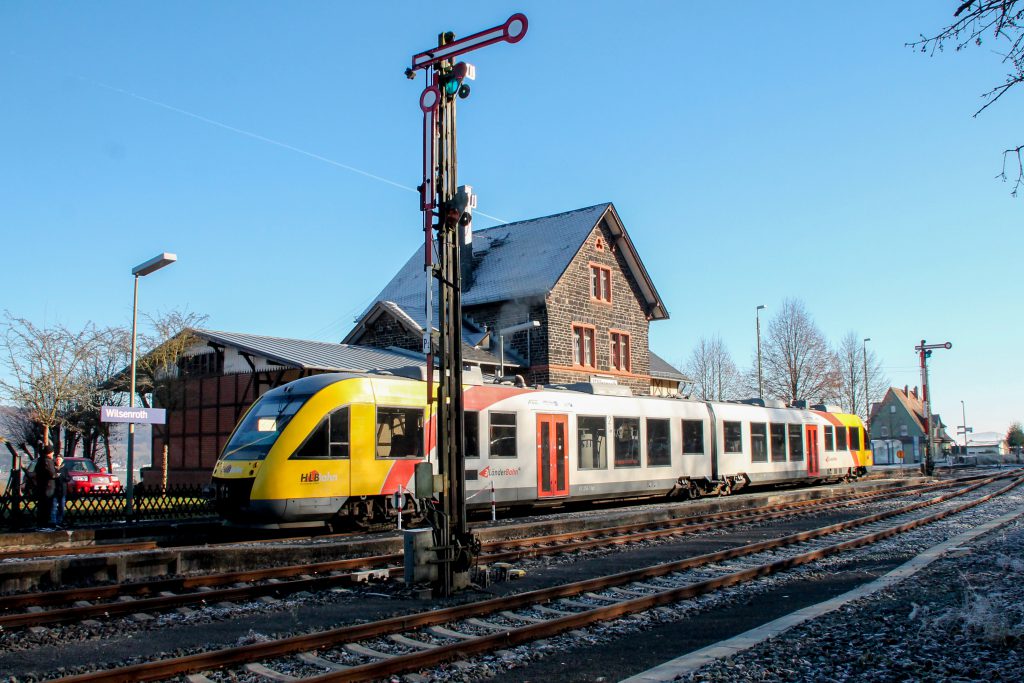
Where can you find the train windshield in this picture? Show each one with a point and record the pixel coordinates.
(262, 425)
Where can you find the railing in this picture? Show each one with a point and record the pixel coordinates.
(176, 502)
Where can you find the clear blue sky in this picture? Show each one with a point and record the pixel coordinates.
(755, 151)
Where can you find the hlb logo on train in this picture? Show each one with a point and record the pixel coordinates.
(314, 477)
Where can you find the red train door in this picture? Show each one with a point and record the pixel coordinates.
(552, 456)
(812, 451)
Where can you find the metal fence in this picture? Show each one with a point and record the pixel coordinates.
(174, 502)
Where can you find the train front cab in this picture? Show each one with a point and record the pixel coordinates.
(859, 443)
(321, 446)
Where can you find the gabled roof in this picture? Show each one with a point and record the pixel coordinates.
(311, 355)
(915, 408)
(523, 260)
(662, 369)
(415, 323)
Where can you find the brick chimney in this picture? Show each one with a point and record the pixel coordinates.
(905, 392)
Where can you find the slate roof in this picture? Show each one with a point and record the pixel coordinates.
(313, 355)
(661, 369)
(520, 260)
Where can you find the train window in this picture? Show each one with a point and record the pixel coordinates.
(503, 435)
(338, 440)
(796, 442)
(328, 440)
(854, 438)
(262, 425)
(693, 437)
(659, 450)
(733, 437)
(472, 434)
(841, 444)
(830, 444)
(778, 440)
(758, 442)
(592, 442)
(399, 432)
(627, 441)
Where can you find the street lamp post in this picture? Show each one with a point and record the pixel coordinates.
(867, 397)
(152, 265)
(760, 381)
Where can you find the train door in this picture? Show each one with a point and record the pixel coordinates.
(552, 456)
(812, 450)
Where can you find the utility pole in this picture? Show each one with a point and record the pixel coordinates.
(447, 209)
(760, 381)
(964, 429)
(867, 396)
(925, 352)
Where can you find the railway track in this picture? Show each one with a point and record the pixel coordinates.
(72, 605)
(92, 548)
(419, 641)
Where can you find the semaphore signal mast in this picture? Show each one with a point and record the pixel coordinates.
(447, 209)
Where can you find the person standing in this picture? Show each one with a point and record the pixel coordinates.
(60, 493)
(46, 485)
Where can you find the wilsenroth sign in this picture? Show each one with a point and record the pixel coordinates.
(152, 416)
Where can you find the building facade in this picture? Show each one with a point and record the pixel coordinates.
(576, 275)
(898, 425)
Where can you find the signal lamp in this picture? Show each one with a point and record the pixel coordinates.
(451, 86)
(463, 91)
(453, 79)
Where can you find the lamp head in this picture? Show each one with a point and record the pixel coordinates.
(154, 264)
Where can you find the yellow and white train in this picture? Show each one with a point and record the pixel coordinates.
(336, 446)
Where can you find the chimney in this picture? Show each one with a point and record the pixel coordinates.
(905, 392)
(914, 392)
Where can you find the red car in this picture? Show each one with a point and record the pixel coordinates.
(85, 478)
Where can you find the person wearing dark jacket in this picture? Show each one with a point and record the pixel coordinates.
(46, 485)
(60, 493)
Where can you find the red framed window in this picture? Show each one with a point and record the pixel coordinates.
(620, 351)
(583, 347)
(600, 283)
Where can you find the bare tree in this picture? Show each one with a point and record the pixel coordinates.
(161, 349)
(850, 381)
(99, 375)
(159, 354)
(796, 359)
(714, 373)
(44, 371)
(974, 23)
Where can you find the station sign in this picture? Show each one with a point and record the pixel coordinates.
(152, 416)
